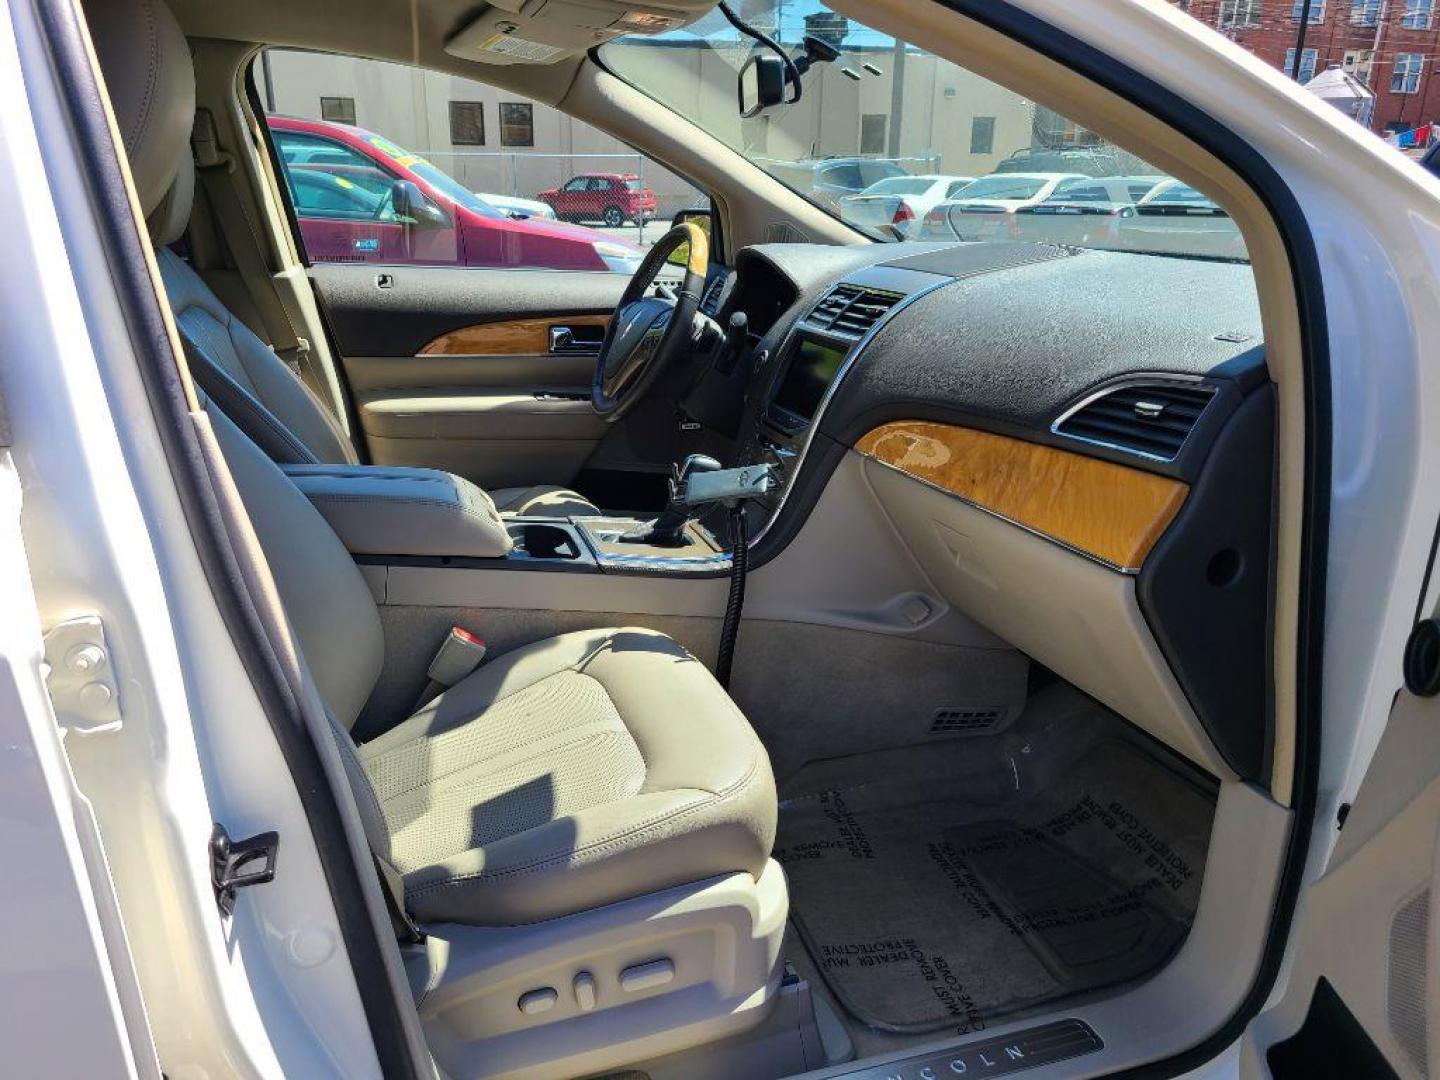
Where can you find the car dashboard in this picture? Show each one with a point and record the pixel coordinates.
(1070, 398)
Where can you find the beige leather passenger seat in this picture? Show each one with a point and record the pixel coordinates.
(583, 825)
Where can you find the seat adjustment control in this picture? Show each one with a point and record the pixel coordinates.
(647, 976)
(584, 987)
(534, 1002)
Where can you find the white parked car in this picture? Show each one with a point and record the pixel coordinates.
(1177, 218)
(1042, 678)
(981, 211)
(1085, 212)
(518, 207)
(900, 202)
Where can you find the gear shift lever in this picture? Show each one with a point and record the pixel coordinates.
(669, 528)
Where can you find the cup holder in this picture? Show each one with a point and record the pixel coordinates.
(550, 542)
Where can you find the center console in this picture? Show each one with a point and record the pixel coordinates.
(810, 364)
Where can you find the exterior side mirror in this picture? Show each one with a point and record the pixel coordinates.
(760, 84)
(699, 216)
(409, 204)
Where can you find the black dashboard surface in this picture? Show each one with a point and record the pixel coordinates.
(1018, 345)
(1017, 333)
(995, 337)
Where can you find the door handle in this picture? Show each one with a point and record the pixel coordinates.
(563, 340)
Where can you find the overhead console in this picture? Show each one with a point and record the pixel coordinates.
(543, 31)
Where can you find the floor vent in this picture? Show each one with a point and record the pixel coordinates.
(965, 721)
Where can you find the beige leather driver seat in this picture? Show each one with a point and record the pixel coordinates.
(576, 772)
(584, 823)
(581, 827)
(147, 67)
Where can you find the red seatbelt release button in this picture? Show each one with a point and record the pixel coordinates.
(460, 654)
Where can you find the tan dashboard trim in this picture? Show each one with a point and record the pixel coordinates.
(1111, 512)
(514, 337)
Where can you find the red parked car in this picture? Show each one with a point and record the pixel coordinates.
(613, 198)
(360, 198)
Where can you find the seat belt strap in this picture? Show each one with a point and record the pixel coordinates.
(216, 169)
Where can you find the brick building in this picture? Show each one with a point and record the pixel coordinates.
(1390, 45)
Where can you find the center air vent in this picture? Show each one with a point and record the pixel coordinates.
(851, 311)
(1152, 419)
(710, 302)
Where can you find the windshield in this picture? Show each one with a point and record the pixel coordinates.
(900, 185)
(1003, 187)
(887, 117)
(439, 181)
(1180, 194)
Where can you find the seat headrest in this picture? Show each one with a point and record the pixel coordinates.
(151, 82)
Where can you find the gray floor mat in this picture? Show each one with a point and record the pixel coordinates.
(923, 911)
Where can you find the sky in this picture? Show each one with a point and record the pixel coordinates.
(792, 21)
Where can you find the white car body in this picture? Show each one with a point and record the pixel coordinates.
(271, 994)
(1177, 218)
(879, 205)
(513, 204)
(987, 218)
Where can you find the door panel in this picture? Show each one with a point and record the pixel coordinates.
(1366, 938)
(456, 369)
(398, 310)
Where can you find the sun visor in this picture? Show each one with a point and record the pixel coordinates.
(543, 31)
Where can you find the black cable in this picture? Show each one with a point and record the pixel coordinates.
(792, 73)
(730, 628)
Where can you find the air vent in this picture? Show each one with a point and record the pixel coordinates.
(1152, 419)
(964, 721)
(851, 311)
(710, 302)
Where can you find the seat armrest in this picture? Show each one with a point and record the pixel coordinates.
(385, 510)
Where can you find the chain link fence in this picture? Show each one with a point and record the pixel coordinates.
(527, 175)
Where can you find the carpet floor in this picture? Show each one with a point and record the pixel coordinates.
(925, 910)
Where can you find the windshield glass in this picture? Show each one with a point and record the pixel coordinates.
(438, 180)
(888, 117)
(900, 185)
(1004, 187)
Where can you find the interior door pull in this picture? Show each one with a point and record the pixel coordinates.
(564, 340)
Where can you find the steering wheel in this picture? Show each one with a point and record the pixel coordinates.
(648, 333)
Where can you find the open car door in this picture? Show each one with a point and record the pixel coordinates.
(1362, 997)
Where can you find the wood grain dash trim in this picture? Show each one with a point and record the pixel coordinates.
(513, 337)
(1111, 512)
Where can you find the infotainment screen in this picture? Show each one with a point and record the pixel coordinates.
(813, 368)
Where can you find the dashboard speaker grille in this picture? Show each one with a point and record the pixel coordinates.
(1153, 419)
(851, 311)
(965, 721)
(1409, 984)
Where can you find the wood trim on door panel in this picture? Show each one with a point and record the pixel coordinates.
(1106, 510)
(512, 337)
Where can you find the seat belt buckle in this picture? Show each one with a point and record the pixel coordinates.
(460, 653)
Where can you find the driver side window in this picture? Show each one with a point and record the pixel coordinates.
(327, 180)
(396, 184)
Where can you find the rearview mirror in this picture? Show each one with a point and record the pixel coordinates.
(409, 202)
(760, 84)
